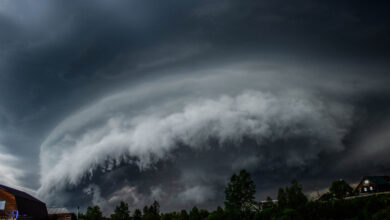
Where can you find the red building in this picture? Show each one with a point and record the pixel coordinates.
(61, 214)
(373, 184)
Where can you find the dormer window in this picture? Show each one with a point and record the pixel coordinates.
(366, 181)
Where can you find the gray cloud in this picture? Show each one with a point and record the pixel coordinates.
(119, 129)
(9, 173)
(196, 195)
(169, 98)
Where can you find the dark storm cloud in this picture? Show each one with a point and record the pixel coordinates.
(132, 87)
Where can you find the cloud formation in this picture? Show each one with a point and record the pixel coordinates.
(111, 132)
(9, 174)
(165, 100)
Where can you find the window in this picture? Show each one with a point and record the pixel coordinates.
(68, 216)
(365, 189)
(2, 204)
(371, 188)
(366, 181)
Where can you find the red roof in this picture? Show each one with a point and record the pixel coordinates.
(19, 193)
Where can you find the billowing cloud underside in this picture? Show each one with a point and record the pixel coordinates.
(142, 127)
(175, 96)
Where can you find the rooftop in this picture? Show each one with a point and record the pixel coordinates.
(19, 193)
(378, 179)
(52, 211)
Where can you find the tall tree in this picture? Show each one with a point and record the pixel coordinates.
(295, 196)
(152, 212)
(340, 189)
(239, 195)
(166, 216)
(137, 215)
(291, 197)
(121, 212)
(282, 198)
(145, 210)
(94, 213)
(194, 214)
(203, 213)
(218, 214)
(183, 215)
(155, 208)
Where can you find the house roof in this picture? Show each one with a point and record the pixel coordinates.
(52, 211)
(19, 193)
(379, 180)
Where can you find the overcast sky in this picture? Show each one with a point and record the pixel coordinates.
(142, 100)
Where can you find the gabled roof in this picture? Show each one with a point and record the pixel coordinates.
(19, 193)
(379, 180)
(52, 211)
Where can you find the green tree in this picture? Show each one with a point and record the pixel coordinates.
(145, 210)
(183, 215)
(121, 212)
(94, 213)
(203, 214)
(155, 208)
(383, 214)
(218, 214)
(137, 215)
(82, 216)
(295, 196)
(290, 214)
(291, 197)
(340, 189)
(194, 214)
(282, 198)
(152, 212)
(166, 216)
(239, 194)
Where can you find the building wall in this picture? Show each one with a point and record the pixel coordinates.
(63, 216)
(25, 207)
(10, 203)
(367, 186)
(34, 209)
(371, 187)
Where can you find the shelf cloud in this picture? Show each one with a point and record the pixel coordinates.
(104, 101)
(117, 130)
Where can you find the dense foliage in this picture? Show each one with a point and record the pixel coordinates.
(340, 189)
(121, 212)
(240, 196)
(292, 205)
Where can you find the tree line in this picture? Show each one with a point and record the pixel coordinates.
(240, 204)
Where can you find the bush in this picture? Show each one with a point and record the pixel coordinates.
(382, 215)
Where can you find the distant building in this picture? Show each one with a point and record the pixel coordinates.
(373, 184)
(19, 204)
(325, 197)
(267, 204)
(61, 214)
